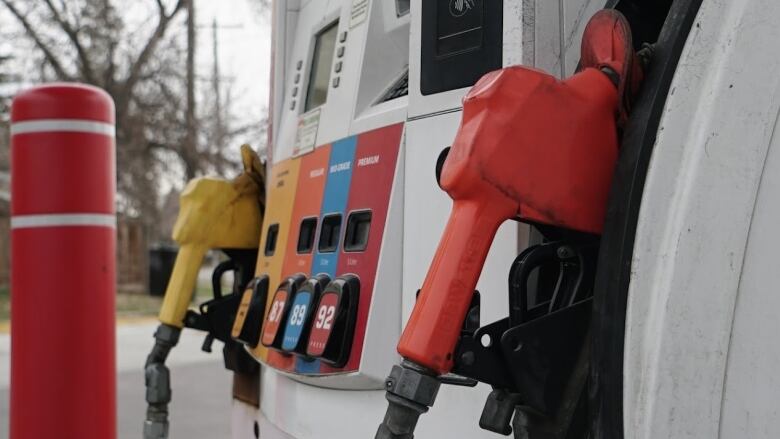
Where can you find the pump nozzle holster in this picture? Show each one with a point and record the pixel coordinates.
(529, 147)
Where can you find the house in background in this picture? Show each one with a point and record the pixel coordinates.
(132, 247)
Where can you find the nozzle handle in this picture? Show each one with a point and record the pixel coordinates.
(181, 285)
(432, 332)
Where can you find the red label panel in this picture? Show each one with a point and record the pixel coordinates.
(372, 182)
(324, 317)
(308, 199)
(274, 318)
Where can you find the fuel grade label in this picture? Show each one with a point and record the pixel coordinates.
(274, 319)
(322, 326)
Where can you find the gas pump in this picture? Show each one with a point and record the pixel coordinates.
(364, 83)
(543, 151)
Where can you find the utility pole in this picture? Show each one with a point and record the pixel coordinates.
(192, 128)
(220, 129)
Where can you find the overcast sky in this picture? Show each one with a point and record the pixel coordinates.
(244, 49)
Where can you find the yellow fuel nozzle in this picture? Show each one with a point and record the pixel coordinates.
(213, 213)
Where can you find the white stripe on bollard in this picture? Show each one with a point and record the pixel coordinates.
(63, 220)
(63, 125)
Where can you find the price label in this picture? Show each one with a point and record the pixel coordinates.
(322, 326)
(297, 320)
(274, 319)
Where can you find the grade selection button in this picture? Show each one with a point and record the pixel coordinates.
(296, 332)
(279, 311)
(333, 325)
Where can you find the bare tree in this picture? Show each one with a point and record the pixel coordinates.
(137, 52)
(5, 99)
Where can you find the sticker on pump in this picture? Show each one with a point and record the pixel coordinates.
(296, 331)
(279, 310)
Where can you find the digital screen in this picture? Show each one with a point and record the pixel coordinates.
(306, 235)
(319, 79)
(295, 323)
(274, 318)
(329, 234)
(358, 226)
(324, 317)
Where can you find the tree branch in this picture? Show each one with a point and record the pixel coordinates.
(146, 53)
(86, 65)
(48, 54)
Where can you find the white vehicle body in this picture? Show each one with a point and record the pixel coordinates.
(698, 351)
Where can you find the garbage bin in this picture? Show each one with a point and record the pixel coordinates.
(161, 261)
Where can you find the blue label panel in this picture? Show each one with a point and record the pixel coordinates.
(295, 323)
(334, 201)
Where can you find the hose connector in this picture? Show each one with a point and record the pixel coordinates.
(158, 382)
(411, 391)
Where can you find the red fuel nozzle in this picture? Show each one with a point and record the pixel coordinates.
(532, 147)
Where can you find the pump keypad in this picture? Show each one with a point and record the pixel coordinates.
(246, 327)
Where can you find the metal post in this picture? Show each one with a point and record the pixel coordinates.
(63, 283)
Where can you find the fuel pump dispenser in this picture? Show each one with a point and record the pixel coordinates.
(541, 150)
(214, 214)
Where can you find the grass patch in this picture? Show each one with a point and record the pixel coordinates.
(137, 305)
(128, 305)
(5, 304)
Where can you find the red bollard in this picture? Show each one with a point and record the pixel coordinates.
(63, 227)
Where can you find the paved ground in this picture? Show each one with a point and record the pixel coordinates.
(201, 386)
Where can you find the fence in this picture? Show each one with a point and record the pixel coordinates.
(132, 255)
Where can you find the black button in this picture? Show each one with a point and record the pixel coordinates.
(251, 311)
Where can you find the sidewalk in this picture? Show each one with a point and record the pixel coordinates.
(201, 386)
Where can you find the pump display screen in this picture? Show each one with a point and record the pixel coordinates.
(274, 318)
(319, 80)
(295, 323)
(324, 317)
